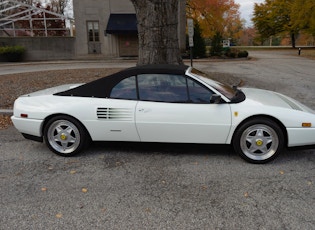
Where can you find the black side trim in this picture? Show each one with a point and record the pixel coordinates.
(33, 138)
(304, 147)
(239, 97)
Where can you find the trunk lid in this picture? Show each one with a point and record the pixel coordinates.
(52, 90)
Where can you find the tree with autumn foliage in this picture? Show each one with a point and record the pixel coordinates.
(216, 17)
(274, 17)
(303, 15)
(248, 37)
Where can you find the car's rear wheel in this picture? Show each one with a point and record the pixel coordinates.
(258, 140)
(65, 136)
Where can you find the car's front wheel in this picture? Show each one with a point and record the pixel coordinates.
(258, 140)
(65, 136)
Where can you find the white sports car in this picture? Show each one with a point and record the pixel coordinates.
(164, 103)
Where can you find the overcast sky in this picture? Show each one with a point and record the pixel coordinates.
(246, 9)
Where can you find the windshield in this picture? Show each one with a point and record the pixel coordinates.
(226, 90)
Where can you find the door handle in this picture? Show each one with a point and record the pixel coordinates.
(144, 110)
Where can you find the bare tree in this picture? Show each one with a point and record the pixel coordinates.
(59, 6)
(30, 2)
(157, 31)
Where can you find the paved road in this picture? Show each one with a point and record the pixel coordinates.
(159, 186)
(9, 68)
(281, 71)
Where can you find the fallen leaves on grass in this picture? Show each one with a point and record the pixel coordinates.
(5, 121)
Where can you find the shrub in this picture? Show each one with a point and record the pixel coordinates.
(235, 53)
(242, 54)
(232, 55)
(12, 53)
(227, 51)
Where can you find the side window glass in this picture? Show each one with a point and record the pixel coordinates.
(125, 89)
(162, 88)
(198, 93)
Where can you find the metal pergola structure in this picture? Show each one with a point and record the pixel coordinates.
(12, 12)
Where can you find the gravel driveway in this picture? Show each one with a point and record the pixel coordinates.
(164, 186)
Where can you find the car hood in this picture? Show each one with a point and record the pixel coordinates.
(270, 98)
(53, 90)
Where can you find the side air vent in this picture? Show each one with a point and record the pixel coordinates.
(119, 114)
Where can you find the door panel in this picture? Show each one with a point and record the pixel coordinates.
(183, 122)
(114, 120)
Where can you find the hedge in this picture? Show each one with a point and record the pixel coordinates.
(12, 53)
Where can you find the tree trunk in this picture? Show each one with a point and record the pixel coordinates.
(157, 31)
(293, 39)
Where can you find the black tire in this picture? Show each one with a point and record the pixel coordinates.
(258, 140)
(65, 136)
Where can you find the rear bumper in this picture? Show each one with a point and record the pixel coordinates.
(28, 126)
(301, 137)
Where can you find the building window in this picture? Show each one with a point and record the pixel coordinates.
(93, 31)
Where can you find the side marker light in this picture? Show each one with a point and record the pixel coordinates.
(306, 125)
(24, 115)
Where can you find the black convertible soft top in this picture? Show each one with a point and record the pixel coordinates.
(102, 87)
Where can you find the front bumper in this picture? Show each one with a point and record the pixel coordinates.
(301, 136)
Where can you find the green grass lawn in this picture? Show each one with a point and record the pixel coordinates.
(308, 53)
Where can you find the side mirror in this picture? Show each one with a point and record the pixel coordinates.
(215, 99)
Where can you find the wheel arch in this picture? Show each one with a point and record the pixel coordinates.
(47, 119)
(277, 121)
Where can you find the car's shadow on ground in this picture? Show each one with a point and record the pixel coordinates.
(161, 148)
(196, 150)
(114, 154)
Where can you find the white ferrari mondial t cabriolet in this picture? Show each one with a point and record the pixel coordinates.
(164, 103)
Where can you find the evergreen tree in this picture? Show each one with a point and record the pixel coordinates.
(216, 45)
(199, 49)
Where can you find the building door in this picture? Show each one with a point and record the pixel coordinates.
(94, 45)
(128, 45)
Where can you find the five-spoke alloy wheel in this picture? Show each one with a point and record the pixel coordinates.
(65, 136)
(258, 140)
